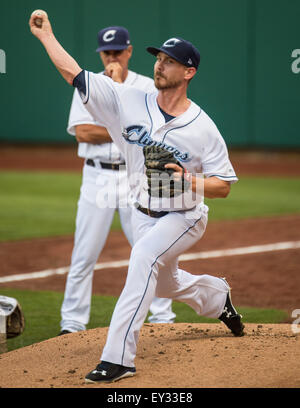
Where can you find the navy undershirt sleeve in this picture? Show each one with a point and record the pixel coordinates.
(79, 82)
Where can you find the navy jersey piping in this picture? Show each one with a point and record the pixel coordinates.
(147, 284)
(179, 127)
(219, 175)
(88, 89)
(149, 114)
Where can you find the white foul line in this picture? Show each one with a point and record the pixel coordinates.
(255, 249)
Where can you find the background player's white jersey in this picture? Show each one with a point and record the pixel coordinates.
(79, 115)
(134, 120)
(103, 191)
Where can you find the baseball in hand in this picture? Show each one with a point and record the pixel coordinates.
(39, 21)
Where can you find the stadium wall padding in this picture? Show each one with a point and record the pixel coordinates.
(248, 79)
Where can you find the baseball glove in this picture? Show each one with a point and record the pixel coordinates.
(161, 182)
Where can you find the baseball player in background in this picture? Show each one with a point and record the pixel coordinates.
(154, 123)
(104, 175)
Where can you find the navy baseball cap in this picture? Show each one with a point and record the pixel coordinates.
(113, 38)
(181, 50)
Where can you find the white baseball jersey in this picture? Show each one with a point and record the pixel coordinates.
(79, 115)
(134, 120)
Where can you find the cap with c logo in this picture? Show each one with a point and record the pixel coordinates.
(181, 50)
(113, 38)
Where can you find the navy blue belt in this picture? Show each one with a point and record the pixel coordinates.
(151, 213)
(110, 166)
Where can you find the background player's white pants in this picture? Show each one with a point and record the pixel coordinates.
(153, 270)
(92, 228)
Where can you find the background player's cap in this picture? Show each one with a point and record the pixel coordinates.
(181, 50)
(113, 38)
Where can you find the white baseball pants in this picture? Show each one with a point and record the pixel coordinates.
(153, 270)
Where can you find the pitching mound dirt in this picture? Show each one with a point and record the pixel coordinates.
(181, 356)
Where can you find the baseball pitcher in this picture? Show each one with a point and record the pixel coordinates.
(167, 121)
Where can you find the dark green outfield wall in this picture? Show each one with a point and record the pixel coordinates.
(248, 80)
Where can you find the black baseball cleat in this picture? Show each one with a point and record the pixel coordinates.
(64, 332)
(108, 372)
(231, 318)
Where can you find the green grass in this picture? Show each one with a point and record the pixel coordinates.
(42, 204)
(42, 314)
(258, 197)
(38, 204)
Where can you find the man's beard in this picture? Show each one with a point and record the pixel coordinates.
(167, 84)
